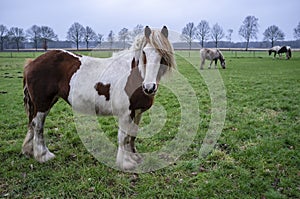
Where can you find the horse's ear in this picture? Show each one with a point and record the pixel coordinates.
(147, 32)
(164, 31)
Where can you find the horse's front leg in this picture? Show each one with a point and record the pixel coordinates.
(216, 61)
(210, 64)
(127, 157)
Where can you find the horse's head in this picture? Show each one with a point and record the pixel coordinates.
(222, 60)
(270, 52)
(223, 63)
(156, 58)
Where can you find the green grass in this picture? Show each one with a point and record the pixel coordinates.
(257, 154)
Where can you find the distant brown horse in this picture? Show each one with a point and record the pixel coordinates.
(123, 85)
(212, 55)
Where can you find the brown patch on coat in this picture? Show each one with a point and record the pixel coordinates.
(103, 89)
(47, 78)
(137, 98)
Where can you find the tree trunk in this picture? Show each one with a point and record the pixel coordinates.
(45, 46)
(247, 44)
(18, 46)
(190, 45)
(272, 42)
(2, 44)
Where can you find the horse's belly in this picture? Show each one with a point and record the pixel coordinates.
(91, 104)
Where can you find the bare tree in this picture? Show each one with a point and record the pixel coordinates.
(111, 38)
(89, 35)
(137, 30)
(297, 31)
(17, 35)
(203, 31)
(228, 37)
(189, 34)
(34, 34)
(100, 39)
(47, 34)
(76, 33)
(3, 36)
(273, 33)
(249, 29)
(217, 33)
(123, 36)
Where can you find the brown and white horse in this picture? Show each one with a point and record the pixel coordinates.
(212, 55)
(123, 85)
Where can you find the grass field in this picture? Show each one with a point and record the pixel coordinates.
(256, 156)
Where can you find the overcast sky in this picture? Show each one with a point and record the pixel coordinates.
(106, 15)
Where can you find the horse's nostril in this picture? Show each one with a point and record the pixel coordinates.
(149, 88)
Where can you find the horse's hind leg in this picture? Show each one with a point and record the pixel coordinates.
(202, 63)
(40, 151)
(27, 147)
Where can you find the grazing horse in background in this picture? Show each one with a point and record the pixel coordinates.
(212, 55)
(123, 85)
(287, 50)
(279, 50)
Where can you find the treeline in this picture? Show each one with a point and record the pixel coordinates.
(193, 36)
(248, 30)
(45, 37)
(237, 45)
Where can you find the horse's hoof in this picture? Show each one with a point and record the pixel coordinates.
(137, 157)
(44, 157)
(127, 165)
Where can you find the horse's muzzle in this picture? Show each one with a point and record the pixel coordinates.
(150, 88)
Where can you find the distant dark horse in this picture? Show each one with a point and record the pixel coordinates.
(279, 50)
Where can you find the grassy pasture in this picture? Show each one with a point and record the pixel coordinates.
(257, 154)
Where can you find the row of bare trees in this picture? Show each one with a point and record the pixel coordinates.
(77, 33)
(248, 30)
(18, 35)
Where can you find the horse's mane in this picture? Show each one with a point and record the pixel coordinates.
(160, 43)
(221, 55)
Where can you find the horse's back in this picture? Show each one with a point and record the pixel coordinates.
(208, 53)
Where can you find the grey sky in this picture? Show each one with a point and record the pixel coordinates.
(106, 15)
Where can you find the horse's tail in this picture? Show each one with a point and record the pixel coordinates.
(28, 104)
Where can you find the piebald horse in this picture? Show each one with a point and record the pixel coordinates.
(123, 85)
(212, 55)
(279, 50)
